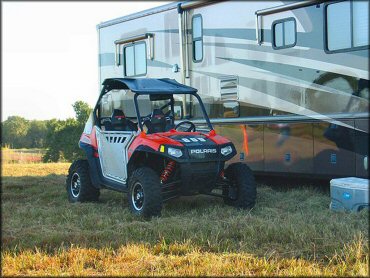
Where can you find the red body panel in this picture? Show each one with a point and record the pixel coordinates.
(154, 141)
(219, 140)
(90, 138)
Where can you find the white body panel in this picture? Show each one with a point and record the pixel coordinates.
(112, 147)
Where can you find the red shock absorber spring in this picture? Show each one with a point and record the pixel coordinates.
(222, 174)
(167, 171)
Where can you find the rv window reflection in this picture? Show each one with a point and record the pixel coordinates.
(231, 109)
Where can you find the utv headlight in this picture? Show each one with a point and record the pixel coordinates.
(174, 152)
(226, 150)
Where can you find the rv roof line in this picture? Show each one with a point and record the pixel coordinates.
(183, 5)
(286, 7)
(195, 4)
(151, 11)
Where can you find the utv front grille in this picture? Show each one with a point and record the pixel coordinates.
(204, 152)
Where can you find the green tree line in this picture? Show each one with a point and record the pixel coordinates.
(59, 137)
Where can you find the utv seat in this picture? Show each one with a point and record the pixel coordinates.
(119, 122)
(157, 122)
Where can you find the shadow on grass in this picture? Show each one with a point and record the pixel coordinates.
(288, 183)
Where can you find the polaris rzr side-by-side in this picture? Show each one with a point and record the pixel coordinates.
(133, 145)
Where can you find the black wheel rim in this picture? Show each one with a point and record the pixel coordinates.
(137, 196)
(75, 185)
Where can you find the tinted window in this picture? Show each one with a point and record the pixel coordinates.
(129, 61)
(360, 23)
(197, 38)
(279, 35)
(339, 26)
(198, 52)
(135, 59)
(289, 34)
(347, 25)
(284, 33)
(140, 59)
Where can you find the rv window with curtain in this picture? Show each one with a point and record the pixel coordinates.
(197, 26)
(347, 26)
(284, 33)
(135, 59)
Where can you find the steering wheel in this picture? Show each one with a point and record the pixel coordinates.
(103, 120)
(191, 128)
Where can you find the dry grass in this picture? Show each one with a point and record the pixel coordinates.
(21, 155)
(291, 231)
(177, 260)
(34, 170)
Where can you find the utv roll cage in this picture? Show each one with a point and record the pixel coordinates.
(157, 89)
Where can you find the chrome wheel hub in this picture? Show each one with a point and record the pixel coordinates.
(137, 196)
(75, 185)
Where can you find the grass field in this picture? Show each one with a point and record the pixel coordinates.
(291, 231)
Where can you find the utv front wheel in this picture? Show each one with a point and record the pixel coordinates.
(78, 183)
(144, 196)
(241, 192)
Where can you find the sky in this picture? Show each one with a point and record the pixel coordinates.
(50, 54)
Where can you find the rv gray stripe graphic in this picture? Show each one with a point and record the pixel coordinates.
(299, 110)
(298, 72)
(234, 33)
(107, 59)
(158, 64)
(303, 39)
(251, 83)
(356, 62)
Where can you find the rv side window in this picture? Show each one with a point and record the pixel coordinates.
(347, 26)
(135, 59)
(284, 33)
(197, 26)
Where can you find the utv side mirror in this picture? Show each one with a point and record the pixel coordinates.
(231, 109)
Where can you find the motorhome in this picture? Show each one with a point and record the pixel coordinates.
(286, 81)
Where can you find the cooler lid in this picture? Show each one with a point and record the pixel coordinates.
(351, 182)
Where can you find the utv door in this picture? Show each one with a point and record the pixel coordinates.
(112, 148)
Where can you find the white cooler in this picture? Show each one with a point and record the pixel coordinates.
(349, 194)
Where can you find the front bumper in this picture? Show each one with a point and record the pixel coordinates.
(199, 177)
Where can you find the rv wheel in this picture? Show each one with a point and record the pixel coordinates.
(144, 196)
(241, 192)
(78, 184)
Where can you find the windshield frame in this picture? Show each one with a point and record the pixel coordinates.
(106, 90)
(205, 115)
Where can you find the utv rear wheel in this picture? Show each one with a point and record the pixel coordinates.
(144, 196)
(241, 192)
(78, 183)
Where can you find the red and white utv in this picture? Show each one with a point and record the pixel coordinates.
(149, 157)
